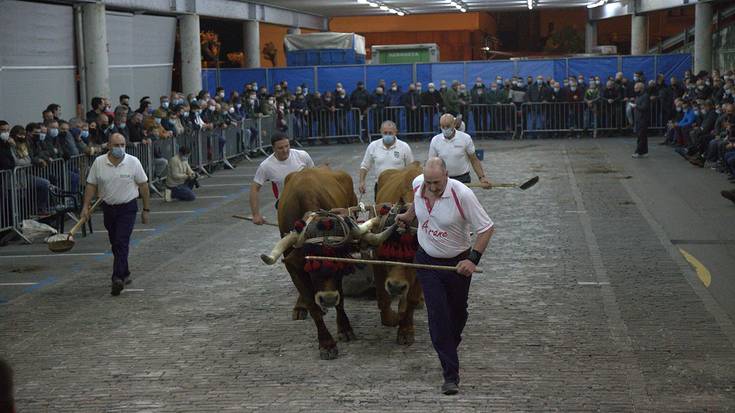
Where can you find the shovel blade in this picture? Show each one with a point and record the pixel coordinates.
(531, 182)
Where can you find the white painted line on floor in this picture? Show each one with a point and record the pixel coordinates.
(170, 212)
(12, 284)
(79, 254)
(592, 283)
(133, 290)
(134, 230)
(233, 176)
(576, 212)
(211, 196)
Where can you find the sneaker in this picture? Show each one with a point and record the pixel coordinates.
(450, 388)
(728, 195)
(696, 161)
(167, 195)
(117, 286)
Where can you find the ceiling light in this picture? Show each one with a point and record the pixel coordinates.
(597, 4)
(373, 4)
(362, 1)
(394, 11)
(463, 10)
(458, 6)
(451, 3)
(400, 13)
(530, 4)
(384, 8)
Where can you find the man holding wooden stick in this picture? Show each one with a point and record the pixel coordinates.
(447, 211)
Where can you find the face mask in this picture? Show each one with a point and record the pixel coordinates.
(494, 89)
(185, 114)
(499, 81)
(231, 110)
(212, 108)
(431, 89)
(193, 101)
(556, 89)
(255, 86)
(117, 152)
(573, 88)
(389, 139)
(239, 105)
(700, 87)
(539, 81)
(271, 102)
(84, 134)
(707, 83)
(108, 109)
(718, 111)
(184, 159)
(394, 88)
(478, 84)
(280, 108)
(678, 109)
(447, 132)
(4, 136)
(158, 120)
(164, 105)
(53, 132)
(696, 112)
(198, 112)
(306, 90)
(41, 137)
(221, 94)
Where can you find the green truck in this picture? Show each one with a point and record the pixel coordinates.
(405, 53)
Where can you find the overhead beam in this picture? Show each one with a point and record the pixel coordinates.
(618, 9)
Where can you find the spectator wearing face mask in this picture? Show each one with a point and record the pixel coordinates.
(21, 153)
(343, 106)
(135, 128)
(479, 114)
(6, 157)
(433, 100)
(538, 94)
(173, 123)
(464, 100)
(41, 144)
(97, 109)
(700, 136)
(120, 123)
(153, 136)
(268, 106)
(165, 105)
(180, 179)
(451, 99)
(591, 100)
(300, 115)
(575, 97)
(411, 102)
(378, 103)
(145, 107)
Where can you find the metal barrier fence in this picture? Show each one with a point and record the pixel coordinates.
(327, 124)
(6, 206)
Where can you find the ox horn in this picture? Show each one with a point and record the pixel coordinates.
(377, 239)
(282, 245)
(362, 229)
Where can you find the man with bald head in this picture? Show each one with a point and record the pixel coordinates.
(447, 211)
(458, 152)
(118, 178)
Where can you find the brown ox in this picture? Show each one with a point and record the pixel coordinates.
(395, 281)
(305, 192)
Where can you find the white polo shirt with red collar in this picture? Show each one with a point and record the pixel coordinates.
(444, 228)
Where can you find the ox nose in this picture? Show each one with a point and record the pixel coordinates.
(327, 299)
(395, 288)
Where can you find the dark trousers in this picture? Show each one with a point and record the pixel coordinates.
(464, 178)
(445, 295)
(184, 192)
(119, 222)
(642, 134)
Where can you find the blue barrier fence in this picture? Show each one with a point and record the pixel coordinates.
(324, 78)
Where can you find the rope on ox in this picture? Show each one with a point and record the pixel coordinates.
(327, 235)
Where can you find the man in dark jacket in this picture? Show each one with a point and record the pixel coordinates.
(433, 104)
(360, 99)
(411, 102)
(642, 108)
(539, 94)
(612, 106)
(479, 113)
(701, 135)
(342, 103)
(378, 103)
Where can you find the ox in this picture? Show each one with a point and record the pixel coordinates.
(392, 282)
(304, 194)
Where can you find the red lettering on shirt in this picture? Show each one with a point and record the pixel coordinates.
(433, 232)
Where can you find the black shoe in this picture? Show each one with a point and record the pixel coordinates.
(450, 388)
(728, 195)
(117, 286)
(128, 280)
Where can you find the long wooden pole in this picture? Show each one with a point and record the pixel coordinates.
(382, 262)
(251, 219)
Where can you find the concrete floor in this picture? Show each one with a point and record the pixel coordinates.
(586, 303)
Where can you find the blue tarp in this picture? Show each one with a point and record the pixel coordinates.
(465, 72)
(645, 64)
(535, 68)
(328, 76)
(600, 66)
(403, 74)
(673, 65)
(295, 76)
(488, 70)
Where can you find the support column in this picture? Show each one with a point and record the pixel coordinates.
(251, 40)
(590, 36)
(95, 50)
(703, 37)
(638, 34)
(191, 54)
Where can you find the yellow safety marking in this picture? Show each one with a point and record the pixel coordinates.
(702, 271)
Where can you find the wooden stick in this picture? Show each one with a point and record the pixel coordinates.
(251, 218)
(81, 222)
(499, 186)
(382, 262)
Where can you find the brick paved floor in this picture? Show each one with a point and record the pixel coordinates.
(581, 308)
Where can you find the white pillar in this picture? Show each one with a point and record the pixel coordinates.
(703, 37)
(590, 36)
(95, 50)
(191, 54)
(251, 40)
(639, 34)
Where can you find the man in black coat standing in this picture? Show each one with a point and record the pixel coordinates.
(642, 108)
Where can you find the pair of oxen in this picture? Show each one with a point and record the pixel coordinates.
(306, 196)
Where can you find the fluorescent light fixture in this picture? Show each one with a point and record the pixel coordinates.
(384, 8)
(463, 10)
(597, 4)
(362, 1)
(373, 4)
(451, 3)
(400, 13)
(458, 6)
(530, 4)
(394, 11)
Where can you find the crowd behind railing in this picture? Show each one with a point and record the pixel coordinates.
(43, 163)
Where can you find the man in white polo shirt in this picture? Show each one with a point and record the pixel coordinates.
(447, 211)
(119, 179)
(458, 152)
(386, 153)
(275, 168)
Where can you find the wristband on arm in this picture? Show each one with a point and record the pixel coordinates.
(474, 256)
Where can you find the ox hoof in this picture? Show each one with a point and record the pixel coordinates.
(328, 353)
(299, 314)
(348, 335)
(405, 337)
(389, 318)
